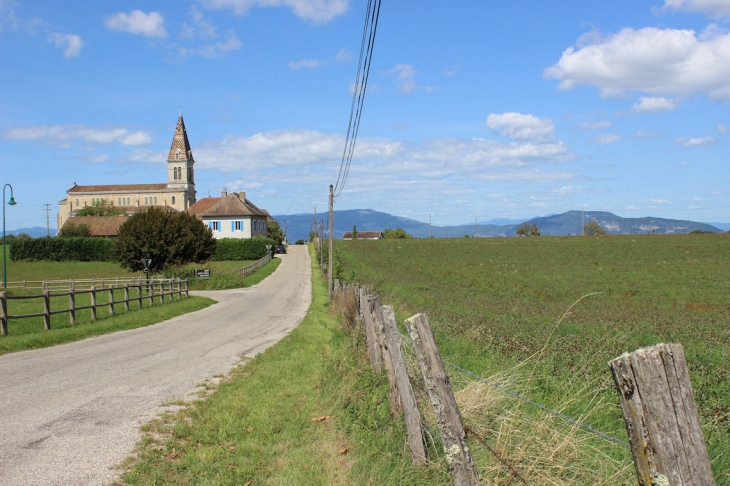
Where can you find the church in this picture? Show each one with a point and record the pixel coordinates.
(178, 194)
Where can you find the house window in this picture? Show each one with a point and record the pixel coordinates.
(238, 225)
(214, 225)
(172, 199)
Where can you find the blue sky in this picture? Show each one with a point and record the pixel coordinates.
(474, 109)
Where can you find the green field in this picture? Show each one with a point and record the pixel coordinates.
(495, 304)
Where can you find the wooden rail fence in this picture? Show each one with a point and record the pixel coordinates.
(166, 287)
(652, 383)
(246, 271)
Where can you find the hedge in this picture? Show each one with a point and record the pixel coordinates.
(63, 249)
(241, 249)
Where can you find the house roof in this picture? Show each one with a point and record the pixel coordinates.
(202, 205)
(119, 188)
(99, 225)
(230, 205)
(363, 235)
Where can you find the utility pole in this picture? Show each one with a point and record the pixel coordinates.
(329, 263)
(286, 241)
(314, 220)
(48, 219)
(320, 230)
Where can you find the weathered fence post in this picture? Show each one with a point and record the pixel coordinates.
(661, 417)
(126, 296)
(111, 301)
(407, 397)
(93, 302)
(4, 313)
(71, 303)
(376, 358)
(151, 291)
(448, 418)
(376, 309)
(139, 294)
(162, 291)
(47, 310)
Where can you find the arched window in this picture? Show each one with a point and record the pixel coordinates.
(173, 199)
(179, 173)
(177, 154)
(174, 173)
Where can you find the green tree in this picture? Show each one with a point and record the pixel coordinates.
(396, 234)
(167, 238)
(100, 208)
(70, 230)
(354, 232)
(528, 230)
(273, 231)
(593, 229)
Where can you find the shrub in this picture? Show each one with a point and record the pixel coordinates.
(396, 234)
(241, 249)
(75, 249)
(165, 237)
(70, 230)
(593, 229)
(527, 230)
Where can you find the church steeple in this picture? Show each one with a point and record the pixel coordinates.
(180, 171)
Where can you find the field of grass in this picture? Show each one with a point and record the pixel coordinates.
(495, 303)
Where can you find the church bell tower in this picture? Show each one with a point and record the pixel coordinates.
(180, 163)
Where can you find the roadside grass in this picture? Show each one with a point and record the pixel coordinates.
(495, 305)
(305, 411)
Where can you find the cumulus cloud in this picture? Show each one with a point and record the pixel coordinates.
(520, 127)
(70, 43)
(722, 129)
(315, 11)
(713, 8)
(201, 27)
(695, 142)
(342, 56)
(214, 50)
(607, 138)
(650, 104)
(660, 62)
(404, 75)
(138, 22)
(61, 135)
(594, 125)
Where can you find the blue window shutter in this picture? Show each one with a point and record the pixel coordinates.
(242, 225)
(210, 225)
(233, 226)
(220, 225)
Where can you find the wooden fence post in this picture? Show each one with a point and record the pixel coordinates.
(376, 310)
(448, 418)
(376, 358)
(4, 313)
(126, 296)
(186, 288)
(71, 303)
(47, 310)
(151, 291)
(407, 397)
(661, 417)
(111, 301)
(93, 302)
(162, 292)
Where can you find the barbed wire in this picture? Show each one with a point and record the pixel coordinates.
(542, 407)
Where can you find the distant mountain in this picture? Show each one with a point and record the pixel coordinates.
(722, 226)
(35, 231)
(298, 225)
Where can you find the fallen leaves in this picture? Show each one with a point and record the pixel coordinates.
(320, 419)
(345, 451)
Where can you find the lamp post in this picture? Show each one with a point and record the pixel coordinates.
(11, 202)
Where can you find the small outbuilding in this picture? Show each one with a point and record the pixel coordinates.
(364, 235)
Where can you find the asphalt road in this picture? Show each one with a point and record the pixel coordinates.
(69, 413)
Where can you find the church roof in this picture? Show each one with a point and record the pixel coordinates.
(180, 148)
(119, 188)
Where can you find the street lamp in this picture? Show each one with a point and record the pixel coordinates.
(11, 202)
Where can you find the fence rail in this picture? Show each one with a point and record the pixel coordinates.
(76, 283)
(167, 287)
(653, 387)
(246, 271)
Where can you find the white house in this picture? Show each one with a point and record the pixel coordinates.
(231, 216)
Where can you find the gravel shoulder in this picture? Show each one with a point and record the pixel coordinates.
(72, 412)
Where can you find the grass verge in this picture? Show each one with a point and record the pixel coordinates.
(302, 412)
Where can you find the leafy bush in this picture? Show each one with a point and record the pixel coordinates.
(593, 229)
(396, 234)
(165, 237)
(273, 231)
(241, 249)
(100, 208)
(75, 249)
(527, 230)
(70, 230)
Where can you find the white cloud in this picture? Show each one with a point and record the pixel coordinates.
(594, 125)
(650, 104)
(404, 74)
(721, 129)
(61, 135)
(646, 134)
(138, 22)
(342, 56)
(660, 62)
(660, 201)
(520, 127)
(607, 138)
(70, 43)
(695, 142)
(713, 8)
(316, 11)
(201, 27)
(212, 51)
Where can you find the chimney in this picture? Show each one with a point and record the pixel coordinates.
(242, 196)
(224, 192)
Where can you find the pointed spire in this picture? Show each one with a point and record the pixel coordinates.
(180, 149)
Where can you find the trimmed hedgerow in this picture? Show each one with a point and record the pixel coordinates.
(241, 249)
(79, 249)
